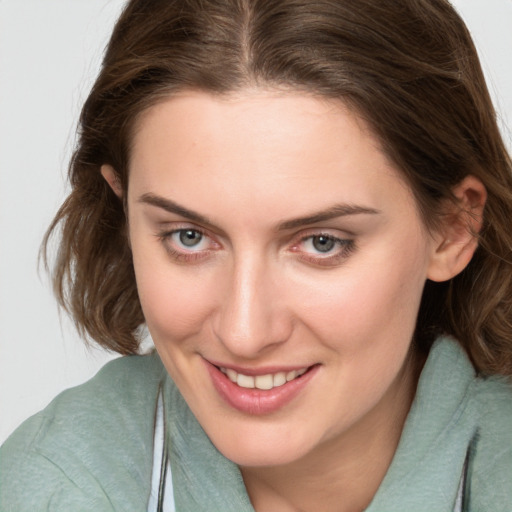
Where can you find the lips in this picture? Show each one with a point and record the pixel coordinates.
(263, 393)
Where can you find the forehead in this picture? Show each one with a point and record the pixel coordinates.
(253, 117)
(258, 148)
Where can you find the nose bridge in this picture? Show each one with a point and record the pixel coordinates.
(249, 318)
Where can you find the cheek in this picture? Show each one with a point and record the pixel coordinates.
(174, 302)
(371, 300)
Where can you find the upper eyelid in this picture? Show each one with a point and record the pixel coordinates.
(161, 222)
(343, 242)
(165, 229)
(309, 233)
(324, 233)
(170, 232)
(183, 225)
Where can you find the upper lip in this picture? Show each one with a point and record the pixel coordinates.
(264, 370)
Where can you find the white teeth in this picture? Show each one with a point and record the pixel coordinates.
(231, 375)
(291, 375)
(265, 382)
(279, 379)
(245, 381)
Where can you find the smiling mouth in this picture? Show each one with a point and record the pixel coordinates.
(260, 393)
(263, 382)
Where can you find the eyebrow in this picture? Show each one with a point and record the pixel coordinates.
(339, 210)
(172, 207)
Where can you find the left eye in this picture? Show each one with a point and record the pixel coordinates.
(321, 244)
(189, 239)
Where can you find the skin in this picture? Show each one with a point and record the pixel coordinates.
(256, 292)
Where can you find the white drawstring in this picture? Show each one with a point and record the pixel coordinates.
(161, 498)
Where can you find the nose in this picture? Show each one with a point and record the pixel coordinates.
(252, 317)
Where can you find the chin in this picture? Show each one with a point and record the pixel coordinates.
(261, 458)
(259, 449)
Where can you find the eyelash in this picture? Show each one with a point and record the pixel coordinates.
(345, 246)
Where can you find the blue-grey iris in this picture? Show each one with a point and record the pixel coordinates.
(190, 237)
(323, 243)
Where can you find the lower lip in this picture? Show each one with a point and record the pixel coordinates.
(258, 401)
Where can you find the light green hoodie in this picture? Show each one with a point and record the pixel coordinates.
(91, 449)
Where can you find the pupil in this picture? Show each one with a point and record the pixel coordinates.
(323, 243)
(189, 237)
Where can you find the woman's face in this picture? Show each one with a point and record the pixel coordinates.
(276, 246)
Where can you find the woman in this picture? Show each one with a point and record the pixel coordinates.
(306, 203)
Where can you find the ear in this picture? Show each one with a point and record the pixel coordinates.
(457, 238)
(112, 178)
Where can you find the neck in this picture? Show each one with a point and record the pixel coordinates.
(344, 473)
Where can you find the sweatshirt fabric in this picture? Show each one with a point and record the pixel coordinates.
(92, 448)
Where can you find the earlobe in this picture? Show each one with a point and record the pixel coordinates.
(457, 239)
(112, 178)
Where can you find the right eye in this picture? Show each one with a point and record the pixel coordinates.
(189, 239)
(187, 244)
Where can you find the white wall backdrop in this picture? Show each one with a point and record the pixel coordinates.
(49, 54)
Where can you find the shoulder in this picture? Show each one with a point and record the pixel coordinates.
(491, 451)
(456, 407)
(91, 448)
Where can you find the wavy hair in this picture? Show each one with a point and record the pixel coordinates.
(409, 68)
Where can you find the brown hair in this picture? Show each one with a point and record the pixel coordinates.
(409, 68)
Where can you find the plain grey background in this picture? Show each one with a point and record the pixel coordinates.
(49, 54)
